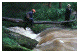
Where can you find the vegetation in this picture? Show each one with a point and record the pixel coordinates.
(43, 12)
(15, 42)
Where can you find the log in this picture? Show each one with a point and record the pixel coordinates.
(52, 22)
(11, 19)
(60, 4)
(35, 22)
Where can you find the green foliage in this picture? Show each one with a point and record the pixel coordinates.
(11, 24)
(73, 25)
(9, 41)
(14, 48)
(39, 27)
(43, 12)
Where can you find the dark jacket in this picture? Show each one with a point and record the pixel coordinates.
(67, 14)
(29, 14)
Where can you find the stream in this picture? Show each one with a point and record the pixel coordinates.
(51, 39)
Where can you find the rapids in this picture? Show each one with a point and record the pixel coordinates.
(28, 32)
(51, 39)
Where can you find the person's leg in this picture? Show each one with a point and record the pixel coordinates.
(25, 24)
(66, 19)
(31, 21)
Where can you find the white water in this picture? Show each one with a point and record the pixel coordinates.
(28, 32)
(51, 40)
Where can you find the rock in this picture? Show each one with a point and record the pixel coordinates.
(12, 38)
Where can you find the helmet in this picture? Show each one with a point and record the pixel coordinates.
(33, 10)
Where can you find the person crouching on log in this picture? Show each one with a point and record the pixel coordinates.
(29, 18)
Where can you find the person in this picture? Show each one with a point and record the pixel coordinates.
(67, 15)
(29, 18)
(68, 12)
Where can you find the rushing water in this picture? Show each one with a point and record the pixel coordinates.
(28, 32)
(51, 39)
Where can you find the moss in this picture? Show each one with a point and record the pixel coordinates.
(14, 48)
(23, 41)
(14, 39)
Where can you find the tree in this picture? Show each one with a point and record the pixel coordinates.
(60, 4)
(49, 4)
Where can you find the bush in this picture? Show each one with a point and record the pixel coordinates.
(39, 27)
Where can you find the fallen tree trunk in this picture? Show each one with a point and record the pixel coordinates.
(35, 22)
(11, 19)
(51, 22)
